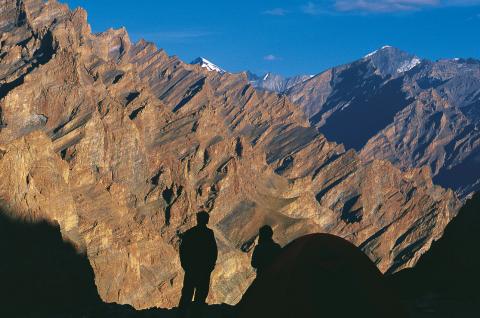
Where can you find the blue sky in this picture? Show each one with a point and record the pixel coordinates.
(295, 36)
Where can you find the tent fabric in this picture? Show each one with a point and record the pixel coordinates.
(320, 275)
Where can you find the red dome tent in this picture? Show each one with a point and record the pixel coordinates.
(320, 275)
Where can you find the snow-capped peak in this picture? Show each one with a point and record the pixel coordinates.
(371, 54)
(375, 52)
(408, 65)
(203, 62)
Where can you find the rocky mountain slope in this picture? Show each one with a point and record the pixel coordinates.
(413, 112)
(121, 144)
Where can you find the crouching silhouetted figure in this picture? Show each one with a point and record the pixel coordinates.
(266, 251)
(198, 255)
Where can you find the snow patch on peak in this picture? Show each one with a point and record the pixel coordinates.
(371, 54)
(203, 62)
(376, 51)
(408, 65)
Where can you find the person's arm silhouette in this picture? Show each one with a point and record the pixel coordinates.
(255, 261)
(213, 250)
(185, 251)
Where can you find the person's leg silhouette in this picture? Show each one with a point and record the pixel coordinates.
(202, 288)
(187, 294)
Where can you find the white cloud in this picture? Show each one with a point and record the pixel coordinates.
(384, 5)
(276, 12)
(312, 8)
(381, 6)
(271, 57)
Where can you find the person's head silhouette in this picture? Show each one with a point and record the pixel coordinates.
(265, 233)
(202, 218)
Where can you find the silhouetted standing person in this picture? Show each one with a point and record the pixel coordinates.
(198, 255)
(266, 251)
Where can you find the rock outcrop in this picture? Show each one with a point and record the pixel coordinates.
(121, 144)
(414, 112)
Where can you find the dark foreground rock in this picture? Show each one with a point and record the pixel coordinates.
(446, 281)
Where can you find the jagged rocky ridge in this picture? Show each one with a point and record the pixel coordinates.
(121, 144)
(413, 112)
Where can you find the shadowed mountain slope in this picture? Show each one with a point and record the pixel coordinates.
(394, 106)
(40, 274)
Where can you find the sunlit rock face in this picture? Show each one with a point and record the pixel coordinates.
(414, 113)
(121, 145)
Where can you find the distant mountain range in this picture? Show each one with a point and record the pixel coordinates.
(413, 112)
(396, 106)
(268, 82)
(276, 83)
